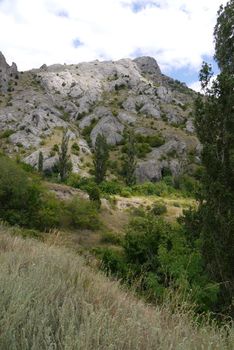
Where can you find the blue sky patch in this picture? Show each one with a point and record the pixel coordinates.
(140, 5)
(77, 43)
(63, 13)
(188, 75)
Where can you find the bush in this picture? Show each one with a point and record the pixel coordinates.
(158, 208)
(142, 149)
(83, 183)
(158, 256)
(94, 195)
(110, 187)
(81, 214)
(50, 215)
(111, 237)
(20, 194)
(151, 140)
(6, 133)
(187, 184)
(75, 148)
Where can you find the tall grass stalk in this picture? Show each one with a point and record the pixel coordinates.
(49, 299)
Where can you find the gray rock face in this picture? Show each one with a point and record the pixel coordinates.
(7, 121)
(109, 127)
(127, 118)
(168, 156)
(25, 139)
(148, 65)
(48, 162)
(105, 96)
(7, 74)
(190, 126)
(164, 94)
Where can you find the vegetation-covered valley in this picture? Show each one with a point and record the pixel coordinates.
(117, 205)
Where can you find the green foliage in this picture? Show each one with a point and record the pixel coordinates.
(110, 187)
(94, 195)
(114, 262)
(111, 237)
(142, 149)
(87, 130)
(101, 155)
(50, 213)
(20, 194)
(142, 144)
(24, 202)
(129, 159)
(152, 140)
(214, 220)
(75, 148)
(160, 188)
(64, 164)
(55, 148)
(187, 184)
(223, 34)
(158, 208)
(40, 162)
(81, 214)
(158, 255)
(6, 133)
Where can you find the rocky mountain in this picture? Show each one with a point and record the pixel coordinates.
(98, 97)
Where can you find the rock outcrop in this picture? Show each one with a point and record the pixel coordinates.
(8, 74)
(92, 98)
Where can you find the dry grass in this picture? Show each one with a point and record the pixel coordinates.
(51, 300)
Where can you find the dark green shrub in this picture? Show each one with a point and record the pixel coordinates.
(114, 262)
(6, 133)
(110, 187)
(111, 237)
(75, 148)
(83, 183)
(81, 214)
(157, 259)
(155, 140)
(187, 184)
(50, 214)
(158, 208)
(55, 148)
(20, 194)
(142, 149)
(94, 195)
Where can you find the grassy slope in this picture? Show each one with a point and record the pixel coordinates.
(51, 300)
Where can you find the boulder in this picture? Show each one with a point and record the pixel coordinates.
(189, 126)
(109, 127)
(168, 156)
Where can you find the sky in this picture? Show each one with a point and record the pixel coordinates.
(177, 33)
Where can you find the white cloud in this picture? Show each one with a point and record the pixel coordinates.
(196, 86)
(176, 32)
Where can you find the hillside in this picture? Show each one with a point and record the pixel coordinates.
(99, 98)
(51, 300)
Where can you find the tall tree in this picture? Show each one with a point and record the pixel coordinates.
(224, 37)
(64, 164)
(40, 162)
(129, 160)
(101, 156)
(215, 129)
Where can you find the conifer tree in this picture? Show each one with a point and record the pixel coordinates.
(129, 161)
(101, 156)
(64, 164)
(215, 129)
(40, 162)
